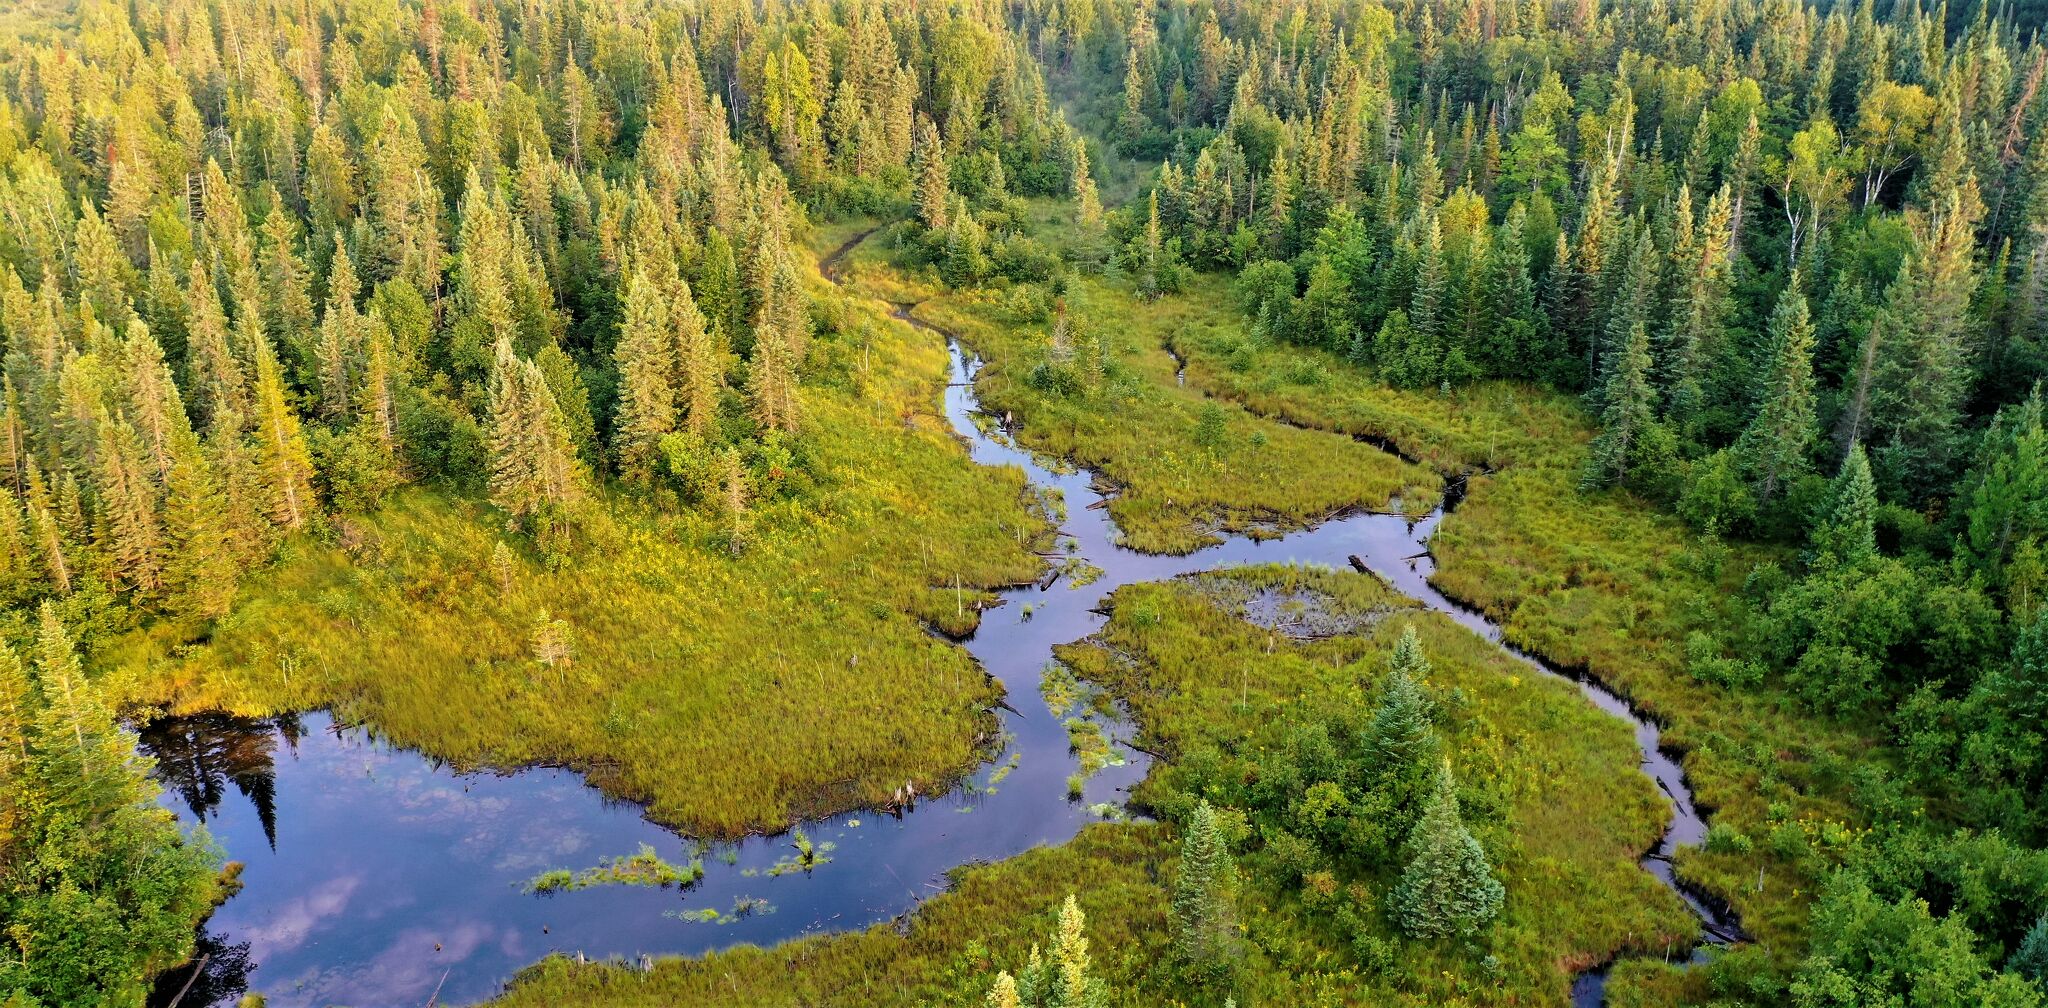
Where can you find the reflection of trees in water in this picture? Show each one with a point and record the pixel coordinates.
(199, 755)
(221, 981)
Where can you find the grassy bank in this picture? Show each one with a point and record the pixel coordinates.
(1187, 468)
(1552, 783)
(727, 692)
(1603, 582)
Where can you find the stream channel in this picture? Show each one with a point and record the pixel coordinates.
(375, 875)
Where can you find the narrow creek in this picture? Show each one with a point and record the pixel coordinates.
(375, 875)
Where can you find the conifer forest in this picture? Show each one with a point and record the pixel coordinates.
(1023, 503)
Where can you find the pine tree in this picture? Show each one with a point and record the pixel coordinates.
(1627, 414)
(1202, 912)
(1847, 531)
(645, 358)
(1448, 887)
(1776, 444)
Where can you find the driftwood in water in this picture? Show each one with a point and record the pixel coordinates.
(1359, 566)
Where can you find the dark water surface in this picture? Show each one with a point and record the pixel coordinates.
(375, 876)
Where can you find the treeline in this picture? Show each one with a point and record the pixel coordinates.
(1794, 258)
(261, 265)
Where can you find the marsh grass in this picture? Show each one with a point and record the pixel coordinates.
(642, 868)
(1138, 429)
(729, 694)
(1603, 582)
(1570, 813)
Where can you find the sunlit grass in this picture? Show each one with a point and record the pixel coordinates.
(728, 693)
(1174, 494)
(1604, 582)
(1574, 814)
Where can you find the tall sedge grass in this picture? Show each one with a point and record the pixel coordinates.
(1604, 582)
(728, 693)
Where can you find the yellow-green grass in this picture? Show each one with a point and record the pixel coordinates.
(1175, 494)
(1578, 810)
(1191, 671)
(946, 952)
(728, 693)
(1601, 581)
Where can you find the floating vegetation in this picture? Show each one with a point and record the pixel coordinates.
(1062, 692)
(742, 907)
(807, 857)
(1108, 811)
(1089, 741)
(645, 868)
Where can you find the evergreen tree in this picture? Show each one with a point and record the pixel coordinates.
(1448, 887)
(1627, 414)
(646, 363)
(1776, 443)
(1203, 916)
(281, 452)
(1924, 363)
(2030, 960)
(87, 763)
(1004, 993)
(934, 187)
(1846, 533)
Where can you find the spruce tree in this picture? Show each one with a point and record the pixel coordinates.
(2030, 960)
(1626, 415)
(1775, 445)
(280, 448)
(1003, 994)
(1071, 986)
(699, 353)
(1448, 887)
(1923, 375)
(646, 364)
(1203, 916)
(203, 563)
(86, 762)
(1846, 533)
(934, 186)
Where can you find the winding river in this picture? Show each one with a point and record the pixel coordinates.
(374, 875)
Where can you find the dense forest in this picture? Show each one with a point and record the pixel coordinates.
(276, 277)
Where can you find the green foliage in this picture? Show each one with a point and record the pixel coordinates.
(1448, 887)
(1204, 891)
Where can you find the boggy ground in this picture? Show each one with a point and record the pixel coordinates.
(1178, 486)
(728, 693)
(1568, 811)
(1602, 582)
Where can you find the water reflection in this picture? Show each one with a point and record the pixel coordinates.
(198, 756)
